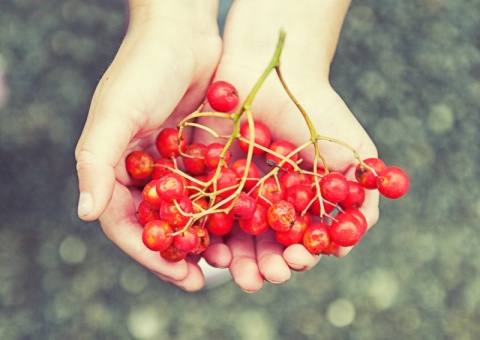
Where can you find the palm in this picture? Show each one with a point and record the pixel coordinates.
(256, 258)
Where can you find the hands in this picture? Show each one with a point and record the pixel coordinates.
(160, 74)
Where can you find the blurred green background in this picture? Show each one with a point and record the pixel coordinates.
(409, 70)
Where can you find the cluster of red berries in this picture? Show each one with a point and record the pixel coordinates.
(194, 190)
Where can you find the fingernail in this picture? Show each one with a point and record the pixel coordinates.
(85, 204)
(298, 267)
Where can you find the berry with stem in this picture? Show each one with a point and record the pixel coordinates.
(222, 96)
(393, 182)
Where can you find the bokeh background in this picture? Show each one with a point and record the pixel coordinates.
(410, 72)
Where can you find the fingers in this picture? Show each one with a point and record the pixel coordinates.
(218, 254)
(193, 282)
(299, 259)
(244, 267)
(97, 154)
(271, 264)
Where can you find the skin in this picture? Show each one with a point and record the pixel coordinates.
(170, 54)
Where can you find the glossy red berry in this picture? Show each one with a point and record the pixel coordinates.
(289, 179)
(222, 96)
(294, 235)
(332, 249)
(262, 137)
(193, 159)
(355, 196)
(283, 149)
(300, 195)
(187, 240)
(269, 193)
(212, 155)
(315, 208)
(253, 173)
(257, 224)
(219, 223)
(334, 187)
(145, 213)
(281, 215)
(346, 230)
(316, 238)
(157, 235)
(225, 184)
(171, 187)
(172, 254)
(162, 166)
(177, 213)
(359, 215)
(244, 207)
(139, 164)
(393, 182)
(168, 143)
(150, 195)
(365, 176)
(203, 240)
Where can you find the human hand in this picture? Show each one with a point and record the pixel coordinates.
(247, 51)
(159, 74)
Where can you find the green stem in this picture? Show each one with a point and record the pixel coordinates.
(274, 63)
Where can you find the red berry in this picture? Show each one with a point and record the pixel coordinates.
(334, 187)
(359, 215)
(332, 249)
(195, 187)
(168, 144)
(219, 223)
(317, 238)
(172, 254)
(150, 195)
(225, 184)
(199, 205)
(289, 179)
(171, 187)
(269, 193)
(157, 235)
(253, 174)
(139, 164)
(176, 213)
(222, 96)
(355, 196)
(300, 196)
(145, 213)
(212, 155)
(283, 149)
(203, 240)
(187, 240)
(161, 167)
(315, 207)
(294, 235)
(393, 182)
(365, 176)
(346, 230)
(262, 137)
(244, 207)
(281, 215)
(257, 224)
(193, 159)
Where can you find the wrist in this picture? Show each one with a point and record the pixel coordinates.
(172, 16)
(312, 27)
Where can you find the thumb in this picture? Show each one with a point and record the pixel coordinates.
(100, 147)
